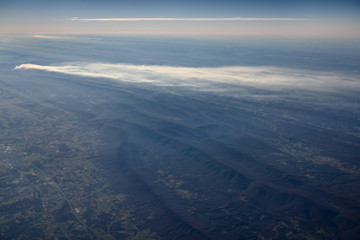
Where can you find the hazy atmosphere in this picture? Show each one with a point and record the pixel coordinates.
(332, 18)
(179, 119)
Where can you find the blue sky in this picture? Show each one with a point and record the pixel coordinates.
(337, 18)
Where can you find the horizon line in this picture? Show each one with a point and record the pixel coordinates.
(186, 19)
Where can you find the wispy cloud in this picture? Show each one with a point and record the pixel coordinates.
(186, 19)
(50, 37)
(204, 77)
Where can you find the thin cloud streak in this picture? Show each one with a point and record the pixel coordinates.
(202, 78)
(50, 37)
(185, 19)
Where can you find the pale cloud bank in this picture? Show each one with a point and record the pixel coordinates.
(186, 19)
(204, 77)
